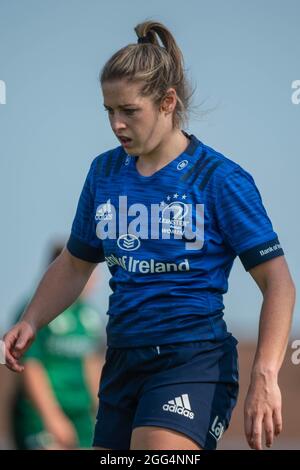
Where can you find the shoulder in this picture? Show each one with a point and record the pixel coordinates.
(108, 162)
(225, 164)
(221, 169)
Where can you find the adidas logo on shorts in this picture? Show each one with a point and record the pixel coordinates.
(180, 405)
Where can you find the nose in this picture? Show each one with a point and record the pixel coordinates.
(117, 123)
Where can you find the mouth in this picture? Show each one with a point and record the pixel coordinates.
(125, 140)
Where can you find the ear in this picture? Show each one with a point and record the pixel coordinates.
(169, 101)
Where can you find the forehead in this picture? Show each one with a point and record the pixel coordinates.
(121, 92)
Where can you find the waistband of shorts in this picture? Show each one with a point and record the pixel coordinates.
(229, 342)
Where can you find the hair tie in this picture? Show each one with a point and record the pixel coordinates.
(144, 40)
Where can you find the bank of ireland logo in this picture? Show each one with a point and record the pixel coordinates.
(181, 165)
(128, 242)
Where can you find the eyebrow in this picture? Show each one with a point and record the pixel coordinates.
(121, 106)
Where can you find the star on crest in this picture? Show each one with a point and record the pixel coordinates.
(175, 196)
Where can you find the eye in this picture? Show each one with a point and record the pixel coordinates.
(130, 111)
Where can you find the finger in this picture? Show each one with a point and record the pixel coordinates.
(10, 360)
(269, 429)
(256, 433)
(277, 420)
(248, 426)
(12, 363)
(19, 346)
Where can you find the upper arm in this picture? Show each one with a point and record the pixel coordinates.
(86, 267)
(274, 272)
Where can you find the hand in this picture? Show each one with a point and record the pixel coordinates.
(262, 411)
(17, 340)
(62, 430)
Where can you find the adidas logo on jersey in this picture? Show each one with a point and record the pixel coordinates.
(180, 405)
(104, 212)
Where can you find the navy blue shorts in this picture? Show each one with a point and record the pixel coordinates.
(191, 388)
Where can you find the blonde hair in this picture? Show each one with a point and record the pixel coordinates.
(158, 67)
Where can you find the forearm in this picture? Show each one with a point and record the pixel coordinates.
(262, 409)
(274, 327)
(58, 289)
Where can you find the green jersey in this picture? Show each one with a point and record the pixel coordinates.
(61, 347)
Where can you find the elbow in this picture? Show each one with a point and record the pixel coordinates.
(293, 290)
(284, 286)
(290, 285)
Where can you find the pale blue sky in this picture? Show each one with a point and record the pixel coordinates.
(243, 57)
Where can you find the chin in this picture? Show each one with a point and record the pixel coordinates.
(131, 150)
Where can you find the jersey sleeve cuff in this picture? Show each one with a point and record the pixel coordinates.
(261, 253)
(84, 251)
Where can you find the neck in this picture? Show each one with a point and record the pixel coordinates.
(172, 145)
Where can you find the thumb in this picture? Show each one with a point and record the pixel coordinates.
(20, 343)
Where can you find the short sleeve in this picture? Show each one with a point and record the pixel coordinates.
(83, 242)
(243, 220)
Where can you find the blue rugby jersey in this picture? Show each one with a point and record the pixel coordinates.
(166, 285)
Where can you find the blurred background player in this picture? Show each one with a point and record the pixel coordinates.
(55, 402)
